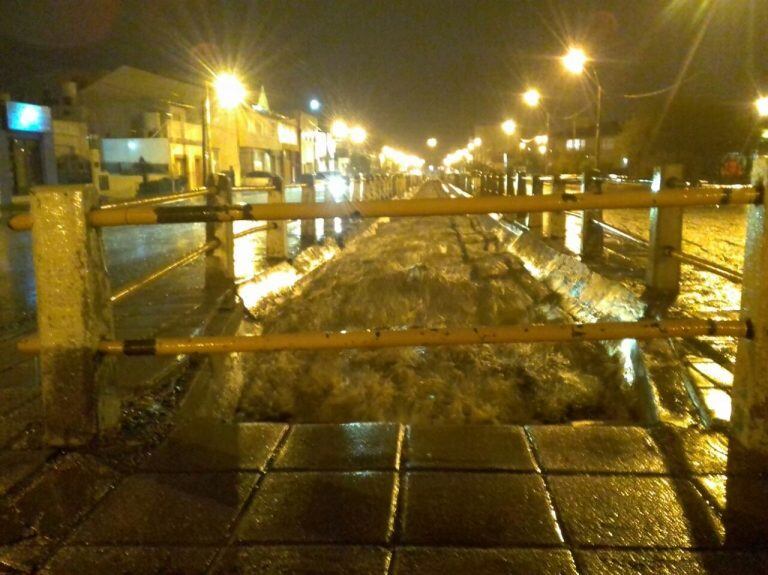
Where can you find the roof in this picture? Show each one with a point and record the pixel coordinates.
(128, 83)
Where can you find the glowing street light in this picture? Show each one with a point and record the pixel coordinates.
(761, 104)
(575, 60)
(477, 142)
(532, 98)
(340, 130)
(315, 105)
(230, 91)
(358, 135)
(432, 143)
(509, 127)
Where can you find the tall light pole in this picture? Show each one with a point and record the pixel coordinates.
(575, 61)
(509, 127)
(230, 93)
(533, 99)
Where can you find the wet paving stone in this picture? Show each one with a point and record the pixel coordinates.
(461, 561)
(468, 447)
(346, 447)
(275, 560)
(632, 511)
(672, 562)
(53, 503)
(173, 508)
(129, 560)
(477, 509)
(15, 422)
(313, 507)
(742, 502)
(15, 466)
(597, 448)
(693, 450)
(217, 446)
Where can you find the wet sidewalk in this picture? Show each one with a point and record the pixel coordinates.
(385, 498)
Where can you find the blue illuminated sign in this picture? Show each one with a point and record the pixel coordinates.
(27, 117)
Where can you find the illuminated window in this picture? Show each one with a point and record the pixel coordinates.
(575, 144)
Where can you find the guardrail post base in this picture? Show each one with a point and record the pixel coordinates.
(749, 422)
(73, 314)
(277, 234)
(555, 228)
(536, 219)
(220, 262)
(591, 233)
(662, 277)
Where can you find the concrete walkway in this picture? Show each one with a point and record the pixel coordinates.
(384, 498)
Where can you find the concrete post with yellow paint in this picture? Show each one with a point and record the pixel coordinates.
(536, 219)
(74, 314)
(220, 262)
(591, 233)
(555, 221)
(749, 420)
(277, 235)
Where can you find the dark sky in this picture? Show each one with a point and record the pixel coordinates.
(408, 69)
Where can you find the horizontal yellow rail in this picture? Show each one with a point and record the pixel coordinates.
(539, 333)
(413, 207)
(166, 199)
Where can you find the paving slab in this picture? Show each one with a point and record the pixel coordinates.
(15, 466)
(58, 497)
(344, 447)
(462, 561)
(743, 502)
(172, 508)
(476, 509)
(330, 507)
(597, 448)
(298, 559)
(216, 446)
(634, 511)
(14, 423)
(468, 447)
(672, 562)
(129, 560)
(693, 450)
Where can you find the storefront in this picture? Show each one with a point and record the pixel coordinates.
(27, 156)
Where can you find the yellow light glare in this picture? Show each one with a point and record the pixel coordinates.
(523, 146)
(358, 135)
(471, 146)
(532, 98)
(542, 150)
(509, 127)
(477, 142)
(575, 60)
(432, 143)
(230, 91)
(762, 106)
(340, 130)
(541, 139)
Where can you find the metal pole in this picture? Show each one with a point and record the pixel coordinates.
(536, 333)
(598, 122)
(207, 164)
(413, 207)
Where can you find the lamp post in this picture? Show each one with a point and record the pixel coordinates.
(533, 99)
(509, 127)
(575, 61)
(230, 93)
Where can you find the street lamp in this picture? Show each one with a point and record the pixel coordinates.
(509, 127)
(532, 98)
(432, 143)
(230, 93)
(340, 130)
(315, 105)
(477, 142)
(575, 61)
(761, 104)
(357, 135)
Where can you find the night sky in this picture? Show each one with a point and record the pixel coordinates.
(407, 69)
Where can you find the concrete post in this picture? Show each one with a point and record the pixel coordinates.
(749, 420)
(662, 277)
(73, 314)
(308, 233)
(591, 233)
(329, 230)
(536, 220)
(277, 235)
(556, 220)
(521, 189)
(220, 262)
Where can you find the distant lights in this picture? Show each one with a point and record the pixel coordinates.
(532, 98)
(357, 135)
(340, 130)
(405, 162)
(761, 104)
(477, 142)
(315, 105)
(230, 91)
(432, 142)
(575, 60)
(509, 127)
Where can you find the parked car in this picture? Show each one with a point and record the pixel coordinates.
(260, 179)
